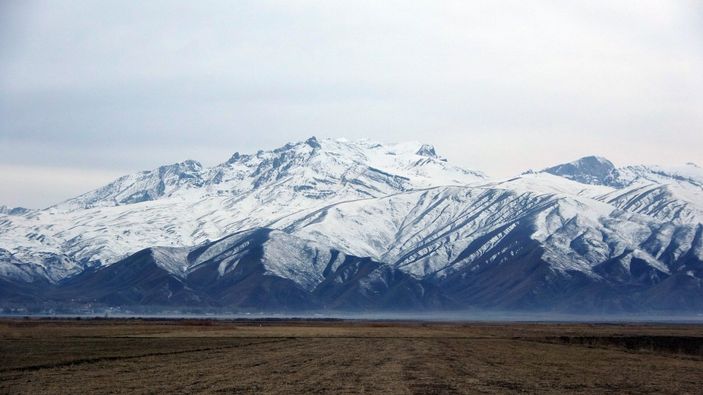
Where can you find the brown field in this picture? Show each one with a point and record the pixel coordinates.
(144, 356)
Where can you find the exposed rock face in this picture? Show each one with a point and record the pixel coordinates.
(333, 224)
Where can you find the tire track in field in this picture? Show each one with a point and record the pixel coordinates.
(82, 361)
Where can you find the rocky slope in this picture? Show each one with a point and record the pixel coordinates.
(333, 224)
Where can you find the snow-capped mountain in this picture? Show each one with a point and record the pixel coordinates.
(667, 193)
(186, 204)
(360, 225)
(315, 170)
(593, 170)
(451, 234)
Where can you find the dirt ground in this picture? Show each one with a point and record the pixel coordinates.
(181, 356)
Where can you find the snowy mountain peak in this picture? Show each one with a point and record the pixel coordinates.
(143, 186)
(235, 157)
(312, 141)
(315, 168)
(427, 150)
(673, 193)
(594, 170)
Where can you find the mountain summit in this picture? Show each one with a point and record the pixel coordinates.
(362, 225)
(594, 170)
(317, 168)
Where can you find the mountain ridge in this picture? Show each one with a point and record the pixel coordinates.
(410, 221)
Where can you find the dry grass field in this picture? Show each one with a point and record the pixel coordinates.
(180, 356)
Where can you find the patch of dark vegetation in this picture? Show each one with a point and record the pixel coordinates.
(688, 345)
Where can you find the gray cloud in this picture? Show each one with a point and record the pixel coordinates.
(110, 87)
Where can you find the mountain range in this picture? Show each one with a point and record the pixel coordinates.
(337, 225)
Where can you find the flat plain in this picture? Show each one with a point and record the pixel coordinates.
(326, 356)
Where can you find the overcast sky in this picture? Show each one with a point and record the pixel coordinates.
(90, 90)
